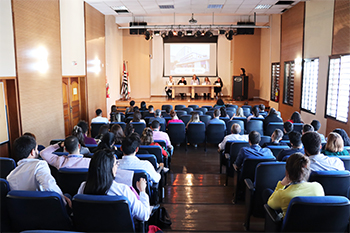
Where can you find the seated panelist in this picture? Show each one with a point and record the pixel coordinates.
(182, 81)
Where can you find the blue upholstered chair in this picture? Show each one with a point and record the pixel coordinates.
(149, 157)
(180, 113)
(246, 112)
(264, 139)
(255, 125)
(164, 106)
(95, 128)
(122, 124)
(177, 132)
(196, 133)
(155, 150)
(4, 216)
(346, 161)
(185, 118)
(210, 113)
(207, 107)
(298, 127)
(6, 166)
(188, 110)
(180, 107)
(234, 150)
(215, 133)
(230, 112)
(231, 106)
(205, 118)
(277, 149)
(204, 110)
(139, 127)
(197, 111)
(272, 126)
(231, 122)
(194, 106)
(70, 179)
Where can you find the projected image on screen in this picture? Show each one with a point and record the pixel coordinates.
(189, 58)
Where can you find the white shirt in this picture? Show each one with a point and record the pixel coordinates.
(140, 209)
(233, 137)
(321, 162)
(33, 175)
(100, 119)
(70, 161)
(132, 162)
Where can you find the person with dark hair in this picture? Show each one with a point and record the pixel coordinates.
(307, 128)
(167, 112)
(129, 129)
(168, 89)
(31, 174)
(294, 184)
(73, 160)
(335, 145)
(119, 135)
(130, 146)
(218, 87)
(137, 117)
(84, 126)
(234, 136)
(272, 117)
(296, 146)
(147, 139)
(219, 103)
(288, 127)
(319, 162)
(317, 125)
(150, 112)
(99, 118)
(254, 151)
(206, 82)
(295, 118)
(131, 107)
(223, 112)
(276, 138)
(158, 117)
(100, 181)
(216, 119)
(78, 133)
(255, 113)
(174, 117)
(159, 135)
(344, 135)
(261, 108)
(102, 131)
(182, 81)
(143, 106)
(114, 116)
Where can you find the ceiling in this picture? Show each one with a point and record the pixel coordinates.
(230, 12)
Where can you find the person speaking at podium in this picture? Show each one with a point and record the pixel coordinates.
(182, 81)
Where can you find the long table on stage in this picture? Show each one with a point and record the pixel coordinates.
(192, 89)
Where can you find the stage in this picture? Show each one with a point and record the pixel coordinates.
(158, 101)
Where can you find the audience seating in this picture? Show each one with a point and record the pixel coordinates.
(188, 110)
(311, 214)
(55, 141)
(205, 118)
(6, 166)
(264, 114)
(210, 113)
(95, 128)
(122, 124)
(165, 106)
(346, 161)
(246, 112)
(298, 127)
(223, 153)
(234, 150)
(185, 118)
(139, 127)
(264, 139)
(129, 114)
(4, 216)
(162, 143)
(70, 179)
(196, 133)
(128, 119)
(194, 106)
(197, 111)
(336, 183)
(277, 149)
(155, 150)
(347, 148)
(247, 106)
(204, 110)
(215, 133)
(177, 132)
(162, 127)
(255, 125)
(180, 113)
(180, 107)
(139, 173)
(149, 157)
(267, 175)
(102, 213)
(231, 106)
(272, 126)
(37, 210)
(225, 119)
(234, 121)
(230, 112)
(207, 107)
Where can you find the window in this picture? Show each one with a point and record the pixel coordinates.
(275, 81)
(309, 85)
(337, 106)
(288, 89)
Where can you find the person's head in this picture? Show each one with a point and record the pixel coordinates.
(25, 147)
(183, 79)
(155, 125)
(173, 114)
(136, 108)
(119, 135)
(308, 128)
(220, 102)
(335, 142)
(167, 109)
(78, 133)
(157, 113)
(261, 107)
(107, 141)
(131, 144)
(98, 112)
(312, 143)
(195, 117)
(272, 112)
(239, 112)
(103, 130)
(295, 138)
(150, 108)
(219, 80)
(206, 79)
(132, 103)
(344, 135)
(113, 108)
(171, 78)
(243, 71)
(288, 127)
(102, 170)
(71, 143)
(298, 167)
(316, 124)
(255, 111)
(30, 134)
(147, 136)
(277, 135)
(136, 116)
(84, 126)
(194, 77)
(235, 128)
(129, 129)
(223, 112)
(143, 105)
(296, 118)
(216, 112)
(254, 137)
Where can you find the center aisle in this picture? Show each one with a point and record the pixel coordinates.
(196, 197)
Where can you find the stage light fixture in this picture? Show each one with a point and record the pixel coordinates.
(189, 33)
(229, 35)
(222, 32)
(198, 33)
(156, 33)
(170, 33)
(208, 34)
(163, 35)
(147, 35)
(180, 34)
(175, 33)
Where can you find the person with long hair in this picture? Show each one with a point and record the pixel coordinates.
(344, 135)
(272, 117)
(295, 183)
(219, 103)
(114, 116)
(223, 112)
(143, 106)
(78, 132)
(101, 132)
(218, 87)
(147, 139)
(137, 117)
(256, 113)
(119, 135)
(129, 129)
(100, 181)
(239, 113)
(107, 142)
(206, 82)
(194, 118)
(296, 118)
(335, 145)
(174, 117)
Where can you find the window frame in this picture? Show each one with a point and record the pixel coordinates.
(302, 82)
(284, 82)
(273, 79)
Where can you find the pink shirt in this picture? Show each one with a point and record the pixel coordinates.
(159, 135)
(174, 120)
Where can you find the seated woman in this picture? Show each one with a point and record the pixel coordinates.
(147, 139)
(219, 86)
(223, 112)
(195, 81)
(100, 181)
(206, 82)
(119, 135)
(174, 117)
(297, 175)
(102, 131)
(295, 118)
(137, 117)
(344, 135)
(143, 106)
(239, 113)
(107, 142)
(256, 114)
(78, 132)
(195, 118)
(114, 116)
(219, 103)
(335, 145)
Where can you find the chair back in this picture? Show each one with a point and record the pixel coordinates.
(317, 214)
(139, 127)
(197, 111)
(180, 113)
(207, 107)
(210, 113)
(149, 157)
(128, 119)
(37, 210)
(177, 132)
(246, 112)
(185, 118)
(204, 110)
(6, 166)
(247, 107)
(215, 133)
(264, 114)
(4, 216)
(196, 132)
(95, 128)
(70, 179)
(336, 183)
(234, 121)
(205, 118)
(235, 148)
(298, 127)
(272, 126)
(188, 110)
(264, 139)
(255, 125)
(122, 124)
(225, 119)
(180, 107)
(55, 141)
(162, 127)
(230, 112)
(346, 161)
(249, 167)
(162, 143)
(102, 213)
(165, 106)
(155, 150)
(194, 106)
(231, 106)
(277, 149)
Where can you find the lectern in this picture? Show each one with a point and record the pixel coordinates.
(240, 87)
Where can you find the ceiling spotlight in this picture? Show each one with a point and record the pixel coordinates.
(163, 35)
(222, 32)
(198, 33)
(229, 35)
(147, 35)
(208, 34)
(170, 33)
(180, 34)
(156, 33)
(188, 33)
(192, 20)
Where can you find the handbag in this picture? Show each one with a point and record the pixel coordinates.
(160, 218)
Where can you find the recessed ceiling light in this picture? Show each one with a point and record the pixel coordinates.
(120, 9)
(166, 6)
(214, 6)
(263, 6)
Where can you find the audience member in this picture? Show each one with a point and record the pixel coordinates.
(167, 112)
(174, 117)
(130, 147)
(234, 136)
(294, 184)
(344, 135)
(335, 145)
(114, 116)
(296, 146)
(288, 127)
(31, 174)
(239, 113)
(100, 181)
(99, 118)
(150, 112)
(137, 117)
(261, 108)
(119, 135)
(307, 128)
(256, 114)
(143, 106)
(254, 151)
(73, 160)
(216, 119)
(219, 103)
(194, 118)
(295, 118)
(272, 117)
(159, 135)
(276, 138)
(102, 131)
(129, 129)
(317, 125)
(223, 112)
(318, 161)
(158, 117)
(147, 139)
(131, 107)
(84, 126)
(78, 133)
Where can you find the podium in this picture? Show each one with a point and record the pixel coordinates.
(240, 87)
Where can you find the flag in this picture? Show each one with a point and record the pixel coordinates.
(126, 84)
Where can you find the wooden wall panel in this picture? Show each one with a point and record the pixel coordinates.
(37, 41)
(95, 59)
(341, 27)
(292, 36)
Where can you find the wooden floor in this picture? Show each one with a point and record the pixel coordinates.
(196, 197)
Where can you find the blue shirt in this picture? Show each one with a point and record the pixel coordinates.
(285, 153)
(216, 120)
(253, 152)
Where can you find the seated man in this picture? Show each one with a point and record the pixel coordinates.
(182, 81)
(73, 160)
(158, 117)
(84, 126)
(234, 136)
(254, 151)
(159, 135)
(216, 118)
(287, 128)
(317, 125)
(318, 161)
(150, 112)
(99, 118)
(131, 107)
(130, 146)
(297, 146)
(276, 138)
(308, 128)
(31, 174)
